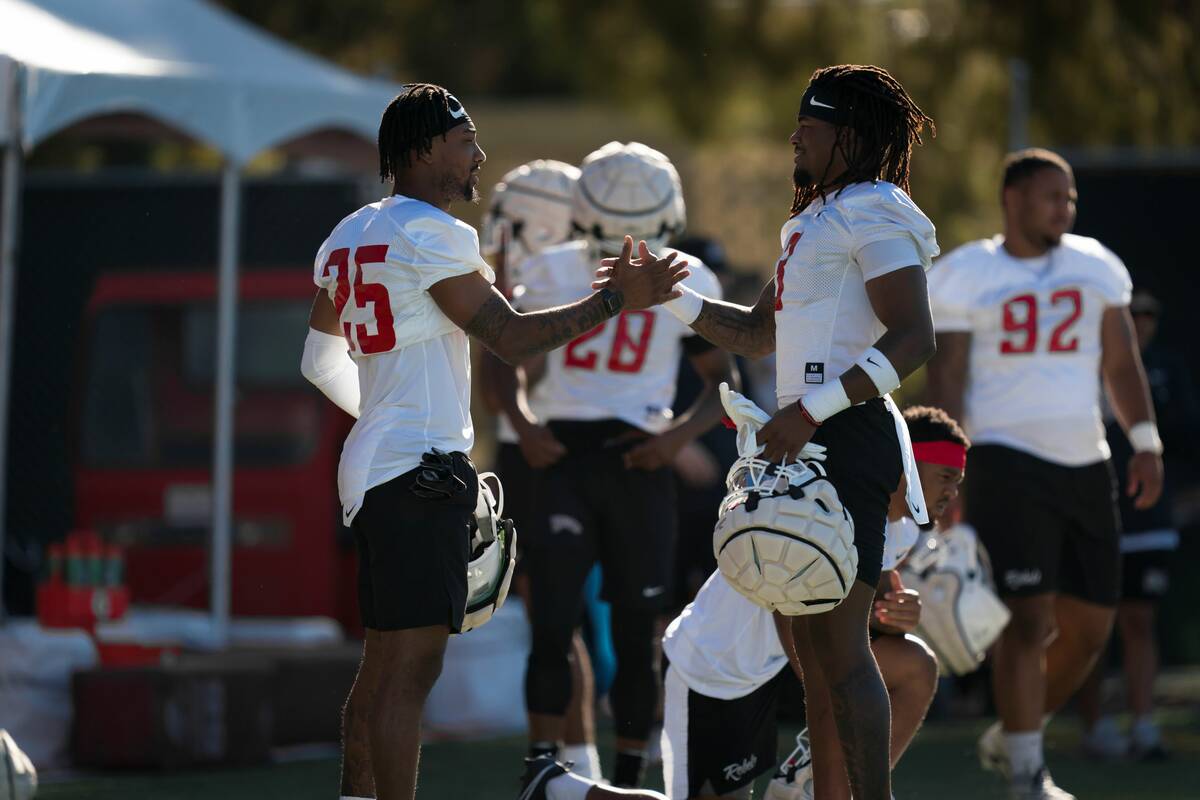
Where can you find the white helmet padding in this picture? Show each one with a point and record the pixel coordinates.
(529, 210)
(628, 189)
(18, 777)
(783, 539)
(493, 556)
(961, 616)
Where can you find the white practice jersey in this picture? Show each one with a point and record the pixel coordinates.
(901, 535)
(722, 645)
(1033, 379)
(623, 369)
(823, 317)
(414, 364)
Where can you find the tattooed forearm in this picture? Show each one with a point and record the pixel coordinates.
(863, 715)
(515, 337)
(490, 321)
(745, 331)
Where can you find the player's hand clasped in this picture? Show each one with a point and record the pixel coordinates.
(785, 435)
(655, 452)
(899, 610)
(1145, 482)
(644, 281)
(539, 446)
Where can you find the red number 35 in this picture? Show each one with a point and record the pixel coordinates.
(376, 294)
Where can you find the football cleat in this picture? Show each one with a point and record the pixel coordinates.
(993, 752)
(538, 772)
(628, 189)
(1039, 786)
(1105, 742)
(783, 539)
(793, 780)
(529, 210)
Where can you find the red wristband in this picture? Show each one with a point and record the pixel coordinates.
(807, 416)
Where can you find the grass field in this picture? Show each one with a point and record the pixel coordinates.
(940, 764)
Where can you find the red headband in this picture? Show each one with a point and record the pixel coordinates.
(943, 453)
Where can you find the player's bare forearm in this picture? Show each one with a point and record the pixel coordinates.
(947, 373)
(901, 302)
(714, 368)
(1121, 364)
(783, 629)
(514, 337)
(504, 391)
(743, 331)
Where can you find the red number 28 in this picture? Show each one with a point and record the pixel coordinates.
(628, 354)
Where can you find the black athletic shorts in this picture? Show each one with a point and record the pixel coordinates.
(591, 508)
(864, 465)
(1046, 527)
(519, 481)
(413, 553)
(717, 747)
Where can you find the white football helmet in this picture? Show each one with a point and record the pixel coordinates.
(793, 780)
(493, 556)
(530, 210)
(960, 613)
(18, 778)
(628, 189)
(783, 539)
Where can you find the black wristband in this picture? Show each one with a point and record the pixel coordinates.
(612, 301)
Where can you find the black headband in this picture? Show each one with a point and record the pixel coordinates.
(824, 107)
(454, 116)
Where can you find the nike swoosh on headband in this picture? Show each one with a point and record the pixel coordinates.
(814, 101)
(462, 112)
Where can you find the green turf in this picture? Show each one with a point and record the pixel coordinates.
(940, 764)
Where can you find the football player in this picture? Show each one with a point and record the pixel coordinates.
(606, 397)
(528, 211)
(1148, 541)
(848, 316)
(1028, 323)
(727, 656)
(401, 285)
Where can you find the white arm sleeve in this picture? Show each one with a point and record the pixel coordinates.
(327, 365)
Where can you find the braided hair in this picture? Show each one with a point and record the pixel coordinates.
(409, 124)
(886, 123)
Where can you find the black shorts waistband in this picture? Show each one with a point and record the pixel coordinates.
(588, 436)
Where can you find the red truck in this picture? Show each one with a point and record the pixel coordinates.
(144, 444)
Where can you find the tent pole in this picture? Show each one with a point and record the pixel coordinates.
(10, 198)
(221, 544)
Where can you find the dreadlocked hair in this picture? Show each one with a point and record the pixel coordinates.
(409, 124)
(886, 124)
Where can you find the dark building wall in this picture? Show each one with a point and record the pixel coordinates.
(73, 229)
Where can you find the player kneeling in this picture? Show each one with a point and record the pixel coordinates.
(727, 658)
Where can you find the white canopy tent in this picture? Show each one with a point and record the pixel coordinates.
(193, 68)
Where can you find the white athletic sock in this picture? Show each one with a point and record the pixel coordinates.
(1024, 752)
(586, 758)
(568, 786)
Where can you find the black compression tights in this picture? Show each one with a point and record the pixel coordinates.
(634, 693)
